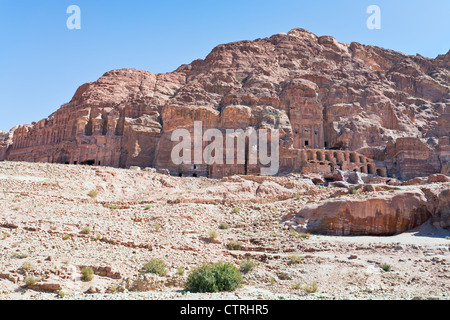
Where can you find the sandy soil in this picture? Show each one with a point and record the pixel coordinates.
(137, 215)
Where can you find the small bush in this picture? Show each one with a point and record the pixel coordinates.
(147, 207)
(157, 227)
(213, 235)
(93, 193)
(303, 235)
(296, 286)
(311, 288)
(155, 266)
(224, 226)
(113, 207)
(86, 230)
(18, 255)
(295, 259)
(386, 267)
(87, 274)
(61, 294)
(27, 266)
(247, 265)
(297, 197)
(66, 237)
(214, 277)
(234, 245)
(300, 235)
(236, 210)
(30, 281)
(180, 271)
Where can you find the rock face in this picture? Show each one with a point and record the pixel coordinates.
(376, 111)
(381, 215)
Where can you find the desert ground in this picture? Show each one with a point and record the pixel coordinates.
(56, 219)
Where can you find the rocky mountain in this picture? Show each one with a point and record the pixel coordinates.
(337, 106)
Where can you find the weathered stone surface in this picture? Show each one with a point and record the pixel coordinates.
(381, 112)
(46, 286)
(355, 178)
(150, 282)
(436, 178)
(380, 215)
(439, 202)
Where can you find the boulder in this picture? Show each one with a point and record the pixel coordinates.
(436, 178)
(339, 184)
(354, 178)
(382, 215)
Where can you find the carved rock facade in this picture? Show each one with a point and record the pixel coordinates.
(337, 106)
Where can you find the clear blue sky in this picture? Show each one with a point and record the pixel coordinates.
(42, 62)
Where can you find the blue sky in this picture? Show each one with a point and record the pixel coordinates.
(42, 62)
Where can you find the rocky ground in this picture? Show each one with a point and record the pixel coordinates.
(52, 224)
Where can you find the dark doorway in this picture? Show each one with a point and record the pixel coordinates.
(88, 163)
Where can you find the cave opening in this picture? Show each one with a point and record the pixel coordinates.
(88, 163)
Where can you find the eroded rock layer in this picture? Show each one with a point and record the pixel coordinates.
(379, 111)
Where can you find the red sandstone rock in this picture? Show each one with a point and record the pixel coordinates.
(438, 178)
(380, 215)
(383, 112)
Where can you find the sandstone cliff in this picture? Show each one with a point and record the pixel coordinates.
(387, 112)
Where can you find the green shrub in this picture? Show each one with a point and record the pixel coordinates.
(247, 265)
(236, 210)
(386, 267)
(157, 227)
(87, 274)
(295, 259)
(113, 288)
(113, 207)
(300, 235)
(224, 226)
(214, 277)
(212, 234)
(27, 266)
(30, 281)
(66, 237)
(296, 286)
(19, 255)
(93, 193)
(234, 245)
(86, 230)
(61, 294)
(180, 271)
(155, 266)
(147, 207)
(311, 288)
